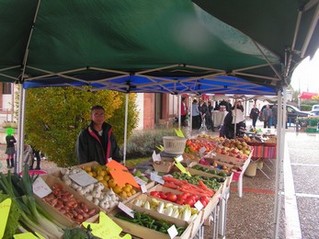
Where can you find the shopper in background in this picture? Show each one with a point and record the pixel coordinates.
(266, 116)
(254, 113)
(36, 157)
(97, 142)
(10, 149)
(209, 119)
(195, 115)
(184, 112)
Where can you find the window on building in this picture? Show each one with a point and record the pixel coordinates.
(6, 88)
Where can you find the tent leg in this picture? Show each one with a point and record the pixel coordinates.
(125, 128)
(20, 143)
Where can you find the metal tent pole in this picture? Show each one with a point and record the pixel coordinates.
(20, 143)
(125, 127)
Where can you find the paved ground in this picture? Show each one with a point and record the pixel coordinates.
(252, 216)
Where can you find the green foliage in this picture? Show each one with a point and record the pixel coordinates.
(143, 143)
(118, 119)
(55, 116)
(305, 107)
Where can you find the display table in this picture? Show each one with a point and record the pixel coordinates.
(218, 118)
(263, 151)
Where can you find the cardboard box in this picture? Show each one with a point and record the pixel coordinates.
(60, 217)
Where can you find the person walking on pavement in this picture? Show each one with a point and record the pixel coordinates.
(10, 149)
(266, 116)
(254, 113)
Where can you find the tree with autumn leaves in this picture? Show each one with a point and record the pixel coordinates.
(55, 116)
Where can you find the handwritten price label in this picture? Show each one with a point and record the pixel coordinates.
(40, 188)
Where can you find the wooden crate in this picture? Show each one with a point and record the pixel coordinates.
(225, 184)
(205, 211)
(144, 232)
(64, 220)
(193, 224)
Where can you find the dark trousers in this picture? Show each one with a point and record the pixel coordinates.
(36, 155)
(254, 121)
(10, 163)
(196, 122)
(267, 123)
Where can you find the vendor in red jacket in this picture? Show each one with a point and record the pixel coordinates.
(97, 142)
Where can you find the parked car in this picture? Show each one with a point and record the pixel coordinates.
(292, 113)
(315, 108)
(314, 112)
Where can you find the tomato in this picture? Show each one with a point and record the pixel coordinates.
(154, 193)
(162, 195)
(190, 202)
(171, 197)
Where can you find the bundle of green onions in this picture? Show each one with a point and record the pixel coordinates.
(32, 216)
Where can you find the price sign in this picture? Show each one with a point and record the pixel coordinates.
(142, 183)
(179, 159)
(182, 168)
(82, 178)
(157, 178)
(5, 206)
(172, 231)
(106, 226)
(156, 157)
(40, 188)
(126, 209)
(198, 205)
(28, 235)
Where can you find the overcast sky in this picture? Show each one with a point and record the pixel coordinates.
(306, 75)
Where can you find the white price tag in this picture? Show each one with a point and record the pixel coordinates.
(179, 159)
(172, 231)
(139, 180)
(143, 188)
(142, 183)
(156, 157)
(156, 178)
(40, 188)
(202, 151)
(198, 205)
(126, 209)
(82, 178)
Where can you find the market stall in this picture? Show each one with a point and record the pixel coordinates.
(173, 198)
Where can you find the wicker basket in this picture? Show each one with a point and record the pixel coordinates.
(174, 144)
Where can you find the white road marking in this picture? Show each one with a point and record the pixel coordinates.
(305, 164)
(293, 230)
(307, 195)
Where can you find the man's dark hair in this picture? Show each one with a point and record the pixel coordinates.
(97, 107)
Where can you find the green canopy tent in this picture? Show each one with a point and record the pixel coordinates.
(94, 41)
(76, 43)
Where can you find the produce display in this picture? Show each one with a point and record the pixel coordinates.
(147, 221)
(196, 144)
(68, 205)
(26, 214)
(221, 173)
(235, 148)
(96, 193)
(210, 182)
(183, 186)
(183, 198)
(60, 213)
(183, 212)
(102, 174)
